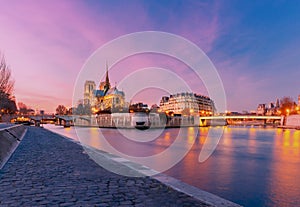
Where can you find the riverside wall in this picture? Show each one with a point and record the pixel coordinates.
(10, 138)
(124, 120)
(292, 121)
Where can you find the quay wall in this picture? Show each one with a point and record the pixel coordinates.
(124, 120)
(10, 138)
(293, 121)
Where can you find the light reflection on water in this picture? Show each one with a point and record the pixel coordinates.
(251, 166)
(284, 187)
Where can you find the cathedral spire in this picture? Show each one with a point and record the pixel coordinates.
(107, 84)
(107, 79)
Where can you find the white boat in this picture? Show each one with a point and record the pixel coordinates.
(140, 120)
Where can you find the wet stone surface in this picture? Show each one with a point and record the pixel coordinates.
(48, 170)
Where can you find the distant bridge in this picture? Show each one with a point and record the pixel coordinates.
(64, 117)
(241, 117)
(73, 117)
(67, 120)
(237, 119)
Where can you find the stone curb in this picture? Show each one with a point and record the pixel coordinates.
(10, 138)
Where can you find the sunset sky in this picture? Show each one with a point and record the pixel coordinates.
(254, 45)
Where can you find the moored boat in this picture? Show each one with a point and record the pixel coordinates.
(140, 120)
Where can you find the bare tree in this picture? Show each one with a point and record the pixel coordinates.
(7, 102)
(61, 110)
(23, 108)
(6, 82)
(287, 105)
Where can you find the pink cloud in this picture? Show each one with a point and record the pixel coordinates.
(46, 44)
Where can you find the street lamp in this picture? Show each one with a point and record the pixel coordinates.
(42, 113)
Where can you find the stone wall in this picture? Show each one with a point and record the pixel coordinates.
(9, 140)
(293, 120)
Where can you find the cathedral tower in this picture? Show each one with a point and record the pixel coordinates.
(105, 85)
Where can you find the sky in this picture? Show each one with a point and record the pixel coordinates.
(254, 45)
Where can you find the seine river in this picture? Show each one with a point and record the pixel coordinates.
(252, 166)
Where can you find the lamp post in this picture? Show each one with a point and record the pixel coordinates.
(42, 113)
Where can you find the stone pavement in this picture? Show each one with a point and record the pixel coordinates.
(49, 170)
(4, 125)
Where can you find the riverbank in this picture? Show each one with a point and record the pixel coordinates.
(291, 122)
(10, 137)
(47, 169)
(289, 127)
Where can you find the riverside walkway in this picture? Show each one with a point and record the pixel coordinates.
(49, 170)
(2, 126)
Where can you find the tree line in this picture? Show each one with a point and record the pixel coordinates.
(81, 109)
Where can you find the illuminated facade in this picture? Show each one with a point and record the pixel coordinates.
(89, 88)
(108, 98)
(261, 109)
(187, 104)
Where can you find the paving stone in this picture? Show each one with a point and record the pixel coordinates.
(49, 170)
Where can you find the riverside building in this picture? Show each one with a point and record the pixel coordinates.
(187, 104)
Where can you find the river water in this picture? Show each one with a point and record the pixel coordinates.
(251, 166)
